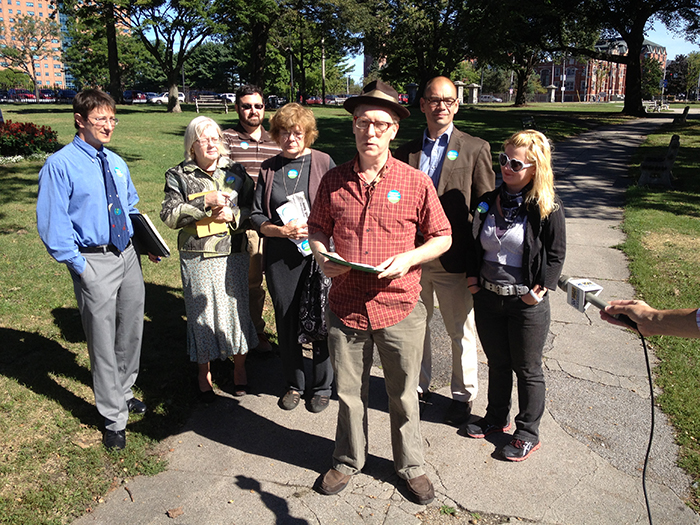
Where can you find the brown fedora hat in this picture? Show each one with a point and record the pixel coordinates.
(378, 93)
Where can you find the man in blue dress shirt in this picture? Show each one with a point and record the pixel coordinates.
(78, 209)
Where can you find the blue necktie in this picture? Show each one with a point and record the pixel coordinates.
(118, 231)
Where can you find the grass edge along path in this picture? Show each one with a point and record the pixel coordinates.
(662, 245)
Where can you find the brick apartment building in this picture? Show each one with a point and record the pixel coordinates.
(49, 72)
(594, 80)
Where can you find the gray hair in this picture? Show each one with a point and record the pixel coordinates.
(194, 131)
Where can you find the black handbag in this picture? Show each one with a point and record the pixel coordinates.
(312, 304)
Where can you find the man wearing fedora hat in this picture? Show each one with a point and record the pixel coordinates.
(460, 167)
(373, 208)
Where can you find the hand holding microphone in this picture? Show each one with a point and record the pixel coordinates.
(580, 293)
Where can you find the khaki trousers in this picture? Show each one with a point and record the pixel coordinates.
(457, 310)
(256, 293)
(400, 348)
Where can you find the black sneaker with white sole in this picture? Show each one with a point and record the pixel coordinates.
(481, 428)
(519, 449)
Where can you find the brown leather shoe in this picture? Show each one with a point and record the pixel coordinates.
(333, 482)
(421, 489)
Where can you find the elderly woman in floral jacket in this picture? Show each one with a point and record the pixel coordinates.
(208, 198)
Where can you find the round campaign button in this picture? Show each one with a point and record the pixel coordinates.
(452, 154)
(483, 207)
(244, 145)
(393, 196)
(292, 174)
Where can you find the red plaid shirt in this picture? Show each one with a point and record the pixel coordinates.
(370, 223)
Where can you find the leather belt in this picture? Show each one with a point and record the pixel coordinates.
(104, 248)
(505, 289)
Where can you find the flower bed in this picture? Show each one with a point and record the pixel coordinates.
(26, 138)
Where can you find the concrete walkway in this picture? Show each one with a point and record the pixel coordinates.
(245, 461)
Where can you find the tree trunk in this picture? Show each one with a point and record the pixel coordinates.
(260, 35)
(633, 80)
(115, 80)
(520, 92)
(173, 100)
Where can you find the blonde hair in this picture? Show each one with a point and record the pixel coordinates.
(540, 153)
(290, 116)
(195, 129)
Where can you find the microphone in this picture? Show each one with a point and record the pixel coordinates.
(581, 293)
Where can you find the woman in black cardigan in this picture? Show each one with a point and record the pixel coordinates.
(298, 169)
(520, 238)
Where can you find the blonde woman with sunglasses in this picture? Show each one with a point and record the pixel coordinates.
(520, 241)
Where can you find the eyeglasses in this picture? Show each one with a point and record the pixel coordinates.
(286, 135)
(210, 140)
(246, 107)
(101, 122)
(515, 165)
(435, 102)
(379, 126)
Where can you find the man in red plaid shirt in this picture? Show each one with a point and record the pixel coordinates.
(373, 208)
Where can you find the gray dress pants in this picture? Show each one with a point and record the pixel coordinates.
(110, 294)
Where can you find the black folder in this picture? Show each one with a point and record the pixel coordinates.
(146, 237)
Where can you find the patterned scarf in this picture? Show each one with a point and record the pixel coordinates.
(511, 203)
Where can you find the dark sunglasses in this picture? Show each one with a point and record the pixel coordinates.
(246, 107)
(514, 164)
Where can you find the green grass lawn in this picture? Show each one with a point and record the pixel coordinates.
(53, 466)
(663, 242)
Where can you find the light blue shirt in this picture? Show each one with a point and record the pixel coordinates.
(432, 156)
(71, 208)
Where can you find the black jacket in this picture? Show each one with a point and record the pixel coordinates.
(545, 243)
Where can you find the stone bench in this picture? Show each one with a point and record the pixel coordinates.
(683, 118)
(657, 171)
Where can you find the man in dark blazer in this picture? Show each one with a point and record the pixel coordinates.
(460, 167)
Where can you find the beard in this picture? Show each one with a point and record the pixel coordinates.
(252, 122)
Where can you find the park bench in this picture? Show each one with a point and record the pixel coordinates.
(211, 101)
(682, 119)
(529, 122)
(654, 106)
(657, 171)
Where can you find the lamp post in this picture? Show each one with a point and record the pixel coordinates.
(291, 76)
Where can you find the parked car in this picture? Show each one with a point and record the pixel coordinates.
(195, 94)
(21, 95)
(47, 95)
(230, 97)
(489, 98)
(150, 95)
(274, 102)
(132, 96)
(313, 100)
(163, 98)
(65, 95)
